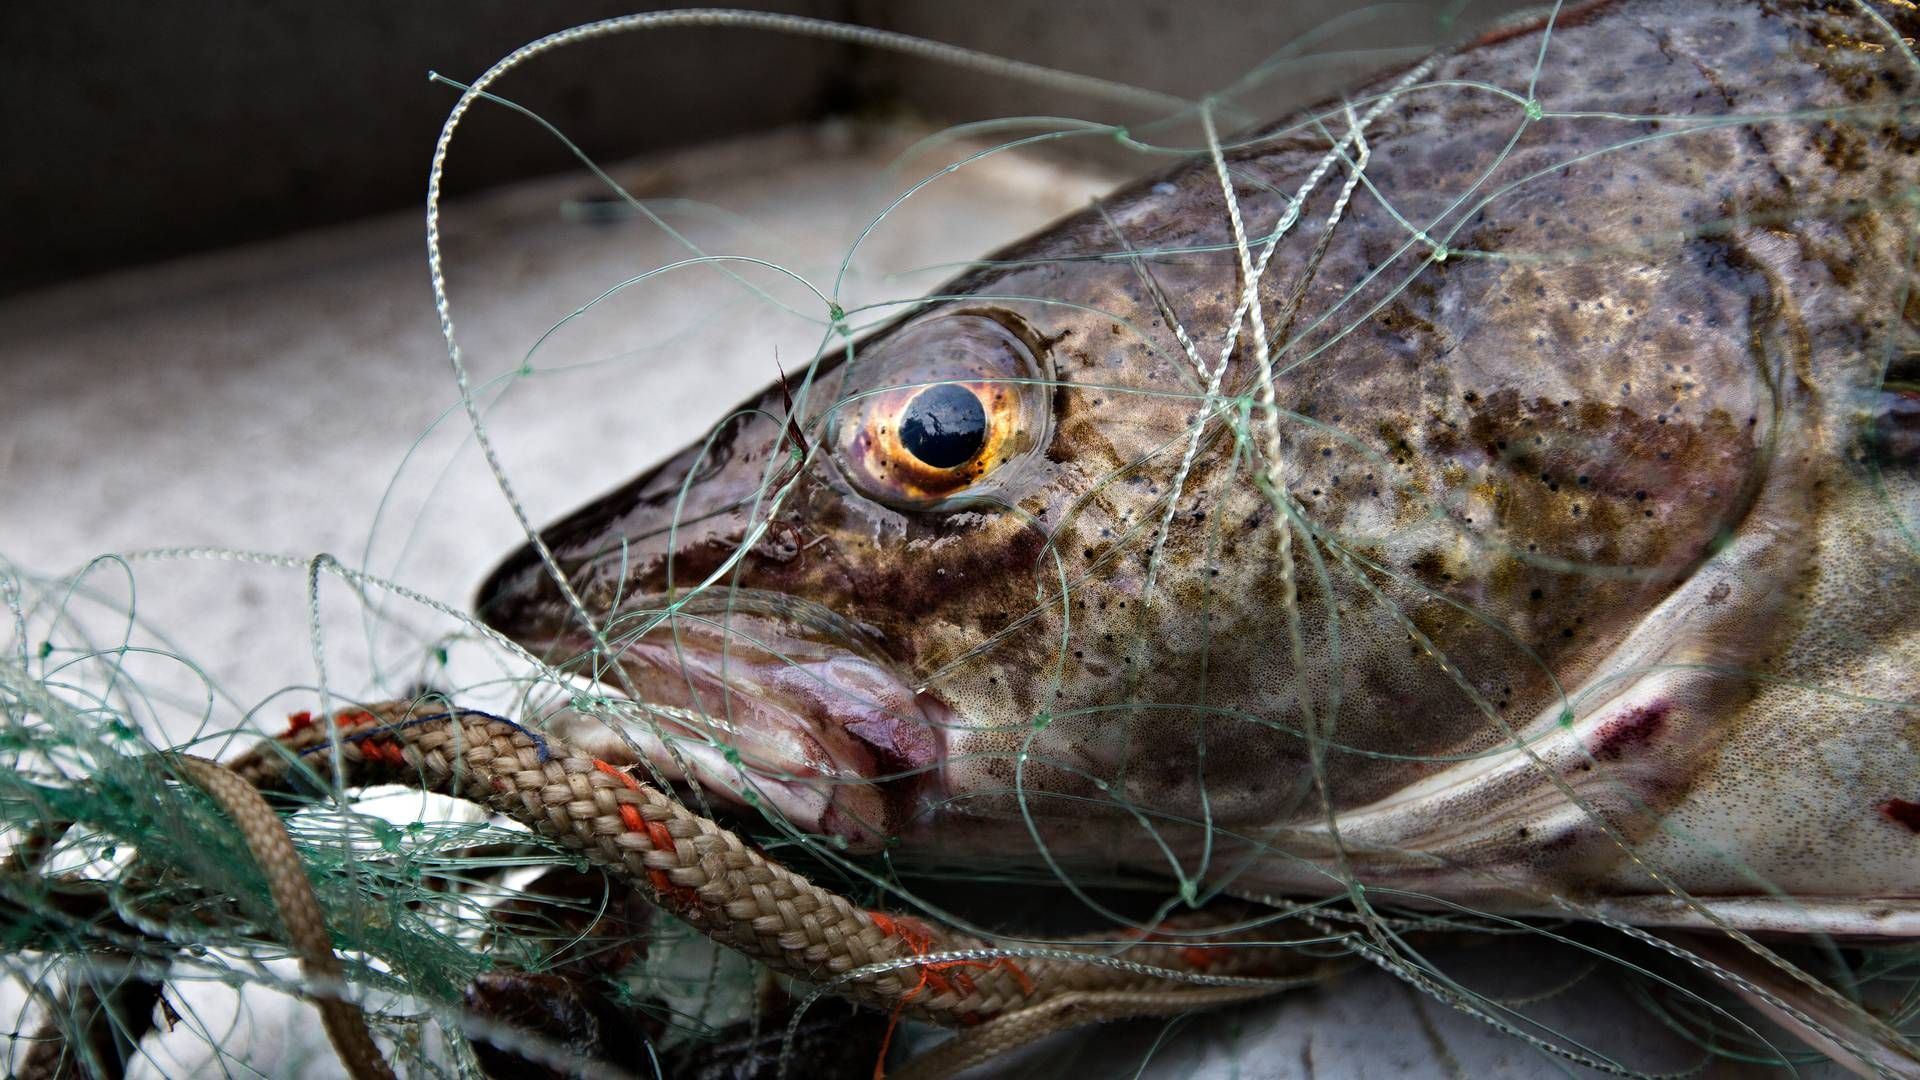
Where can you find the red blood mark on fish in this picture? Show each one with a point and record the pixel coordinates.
(1902, 812)
(1635, 728)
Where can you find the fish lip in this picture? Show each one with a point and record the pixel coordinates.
(827, 735)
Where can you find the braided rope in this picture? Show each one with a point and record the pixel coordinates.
(1072, 1008)
(731, 891)
(299, 910)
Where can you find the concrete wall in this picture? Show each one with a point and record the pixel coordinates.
(134, 132)
(1189, 48)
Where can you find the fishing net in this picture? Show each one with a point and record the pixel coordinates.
(414, 843)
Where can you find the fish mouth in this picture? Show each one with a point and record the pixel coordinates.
(765, 703)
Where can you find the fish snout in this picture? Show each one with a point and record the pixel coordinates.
(665, 532)
(763, 715)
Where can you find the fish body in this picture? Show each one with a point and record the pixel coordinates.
(1538, 533)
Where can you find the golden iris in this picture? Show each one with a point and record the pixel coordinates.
(938, 410)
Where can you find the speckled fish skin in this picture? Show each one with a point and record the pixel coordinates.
(1613, 478)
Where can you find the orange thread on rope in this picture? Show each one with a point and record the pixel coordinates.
(382, 751)
(655, 832)
(298, 722)
(1006, 964)
(919, 940)
(1198, 957)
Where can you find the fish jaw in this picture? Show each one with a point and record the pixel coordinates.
(822, 737)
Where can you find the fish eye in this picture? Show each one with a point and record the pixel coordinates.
(944, 426)
(941, 411)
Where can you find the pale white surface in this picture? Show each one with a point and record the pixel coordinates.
(267, 399)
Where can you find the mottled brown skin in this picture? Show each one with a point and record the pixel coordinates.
(1616, 477)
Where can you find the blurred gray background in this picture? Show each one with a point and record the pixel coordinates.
(136, 132)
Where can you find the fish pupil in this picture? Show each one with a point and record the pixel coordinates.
(944, 426)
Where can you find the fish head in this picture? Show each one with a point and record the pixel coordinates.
(971, 567)
(880, 583)
(1102, 555)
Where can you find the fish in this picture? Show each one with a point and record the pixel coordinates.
(1498, 486)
